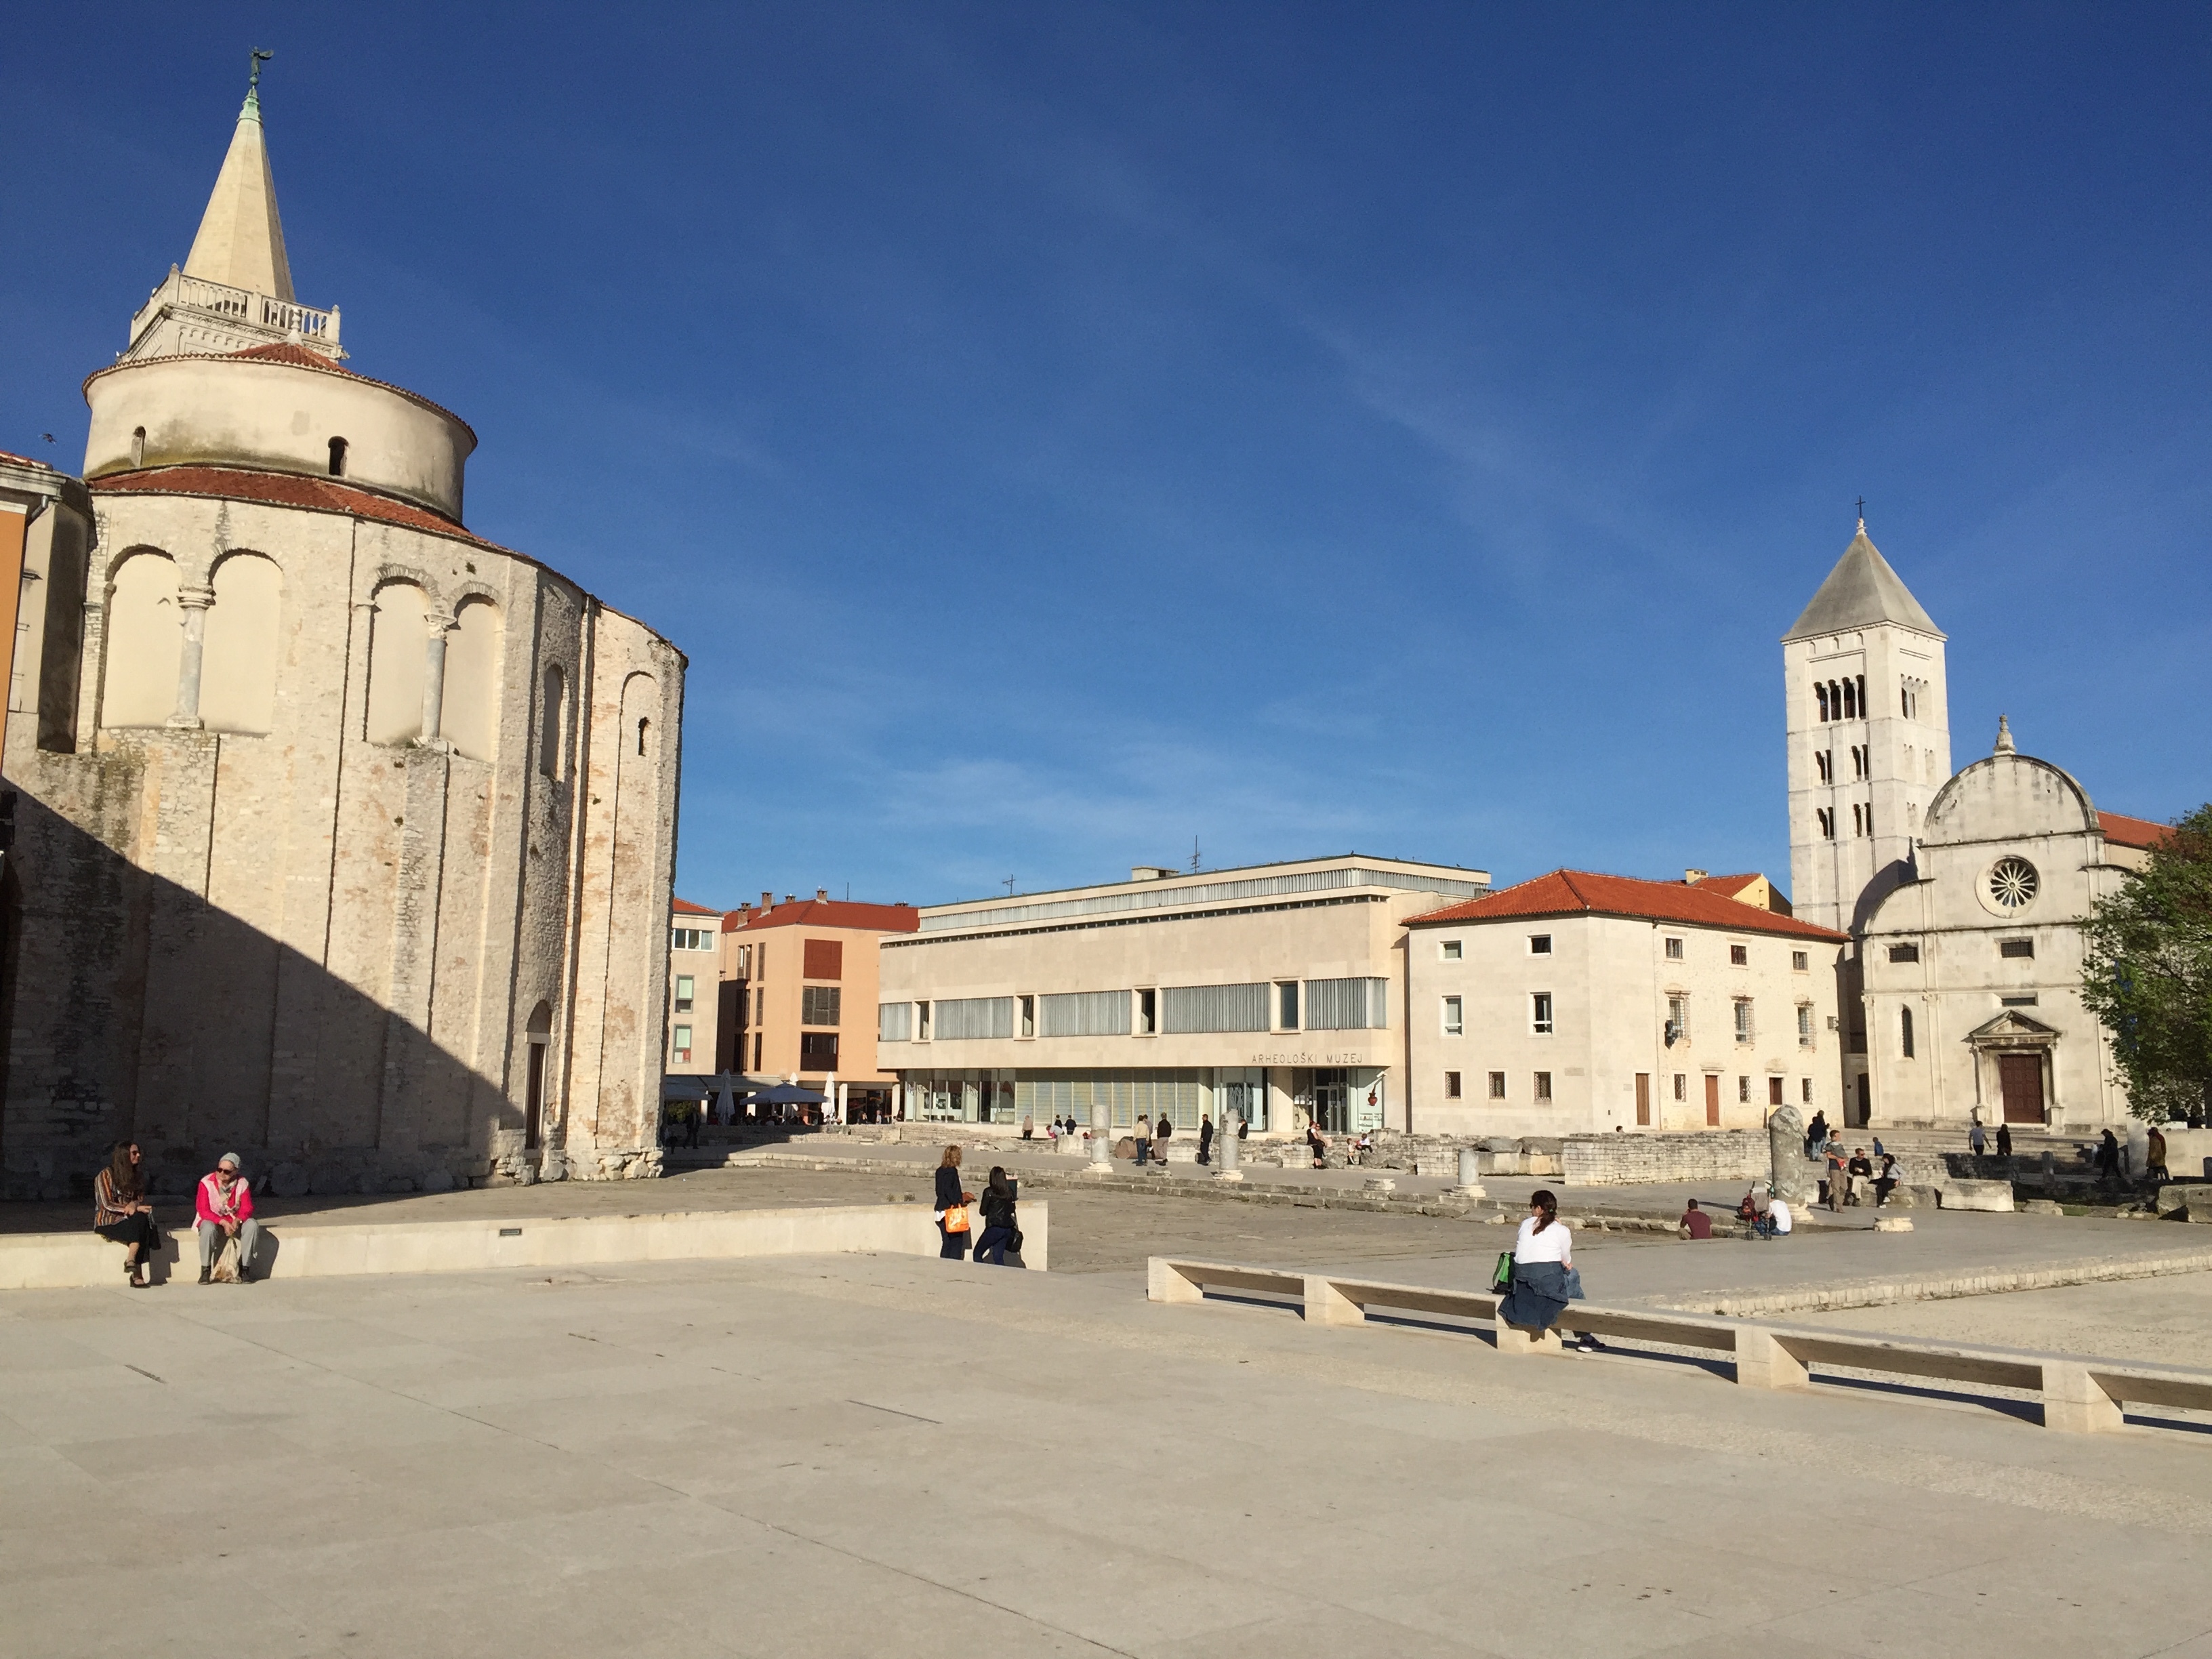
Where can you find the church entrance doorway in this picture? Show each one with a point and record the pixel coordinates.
(2020, 1080)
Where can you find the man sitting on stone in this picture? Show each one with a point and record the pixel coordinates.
(1695, 1223)
(225, 1212)
(1861, 1169)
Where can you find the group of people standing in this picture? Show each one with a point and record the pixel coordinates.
(123, 1213)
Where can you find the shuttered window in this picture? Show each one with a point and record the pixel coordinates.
(974, 1017)
(1347, 1004)
(894, 1022)
(1191, 1008)
(819, 1004)
(1084, 1013)
(825, 958)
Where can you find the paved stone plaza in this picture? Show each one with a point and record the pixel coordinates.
(862, 1454)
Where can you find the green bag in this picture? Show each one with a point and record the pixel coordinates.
(1501, 1277)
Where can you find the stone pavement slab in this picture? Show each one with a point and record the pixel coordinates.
(864, 1454)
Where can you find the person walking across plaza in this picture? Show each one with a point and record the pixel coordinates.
(1144, 1138)
(121, 1214)
(224, 1210)
(2004, 1141)
(2108, 1158)
(1161, 1132)
(1977, 1140)
(1205, 1139)
(952, 1206)
(2155, 1155)
(998, 1229)
(1543, 1258)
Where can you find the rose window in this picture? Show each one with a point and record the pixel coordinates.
(2012, 883)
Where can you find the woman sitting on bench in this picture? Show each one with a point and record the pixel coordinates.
(121, 1213)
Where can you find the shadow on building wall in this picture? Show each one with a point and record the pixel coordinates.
(134, 1007)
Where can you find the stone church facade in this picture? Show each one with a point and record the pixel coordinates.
(345, 836)
(1964, 894)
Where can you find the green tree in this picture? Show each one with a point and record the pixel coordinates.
(2149, 972)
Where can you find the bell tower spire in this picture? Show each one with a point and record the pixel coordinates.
(241, 241)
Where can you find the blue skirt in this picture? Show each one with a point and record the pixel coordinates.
(1539, 1295)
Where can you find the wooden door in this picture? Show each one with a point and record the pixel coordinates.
(1643, 1100)
(1712, 1102)
(2020, 1078)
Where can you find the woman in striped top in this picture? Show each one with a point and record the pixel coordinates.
(121, 1213)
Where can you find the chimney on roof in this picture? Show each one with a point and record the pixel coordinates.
(791, 898)
(767, 899)
(822, 894)
(1691, 877)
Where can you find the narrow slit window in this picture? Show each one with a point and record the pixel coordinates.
(338, 458)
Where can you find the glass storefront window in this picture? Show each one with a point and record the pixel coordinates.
(1241, 1091)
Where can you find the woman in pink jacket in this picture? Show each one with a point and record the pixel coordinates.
(225, 1211)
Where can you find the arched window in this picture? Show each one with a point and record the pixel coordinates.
(470, 722)
(398, 637)
(538, 1040)
(138, 447)
(145, 640)
(238, 660)
(338, 458)
(553, 720)
(1904, 1032)
(1851, 703)
(1821, 694)
(643, 727)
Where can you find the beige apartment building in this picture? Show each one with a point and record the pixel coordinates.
(1275, 992)
(1579, 1004)
(694, 956)
(799, 979)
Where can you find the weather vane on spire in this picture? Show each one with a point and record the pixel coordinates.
(254, 80)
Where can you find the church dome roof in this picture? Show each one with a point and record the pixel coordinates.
(1860, 590)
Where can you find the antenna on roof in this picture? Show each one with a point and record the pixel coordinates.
(1008, 883)
(1194, 855)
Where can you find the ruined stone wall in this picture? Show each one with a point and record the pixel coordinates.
(325, 952)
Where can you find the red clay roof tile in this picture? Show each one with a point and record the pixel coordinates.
(2124, 831)
(1584, 892)
(284, 351)
(828, 913)
(281, 490)
(684, 907)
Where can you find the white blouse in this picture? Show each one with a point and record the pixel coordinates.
(1555, 1243)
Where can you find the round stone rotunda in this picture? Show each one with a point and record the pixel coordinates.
(344, 836)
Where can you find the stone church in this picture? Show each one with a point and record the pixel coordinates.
(1964, 893)
(345, 836)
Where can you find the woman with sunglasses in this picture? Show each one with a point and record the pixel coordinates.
(121, 1214)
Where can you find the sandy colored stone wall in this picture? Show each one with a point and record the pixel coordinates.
(323, 950)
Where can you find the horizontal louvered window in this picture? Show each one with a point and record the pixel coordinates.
(1347, 1004)
(894, 1022)
(819, 1004)
(1084, 1013)
(974, 1017)
(1214, 1007)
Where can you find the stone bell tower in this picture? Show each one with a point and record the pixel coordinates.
(1867, 707)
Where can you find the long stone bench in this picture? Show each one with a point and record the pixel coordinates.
(309, 1251)
(2078, 1393)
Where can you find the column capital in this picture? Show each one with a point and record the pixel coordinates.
(194, 598)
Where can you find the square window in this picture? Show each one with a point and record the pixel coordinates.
(1540, 944)
(1454, 1023)
(2016, 947)
(1682, 1086)
(1452, 950)
(1738, 955)
(1451, 1085)
(1743, 1088)
(1497, 1085)
(1799, 961)
(1539, 1013)
(1674, 950)
(1542, 1091)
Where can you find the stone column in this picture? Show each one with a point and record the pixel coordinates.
(440, 623)
(194, 603)
(1226, 1149)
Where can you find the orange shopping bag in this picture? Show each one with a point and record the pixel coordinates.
(956, 1218)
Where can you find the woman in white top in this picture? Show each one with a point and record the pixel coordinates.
(1543, 1257)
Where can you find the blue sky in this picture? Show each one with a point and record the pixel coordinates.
(1059, 434)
